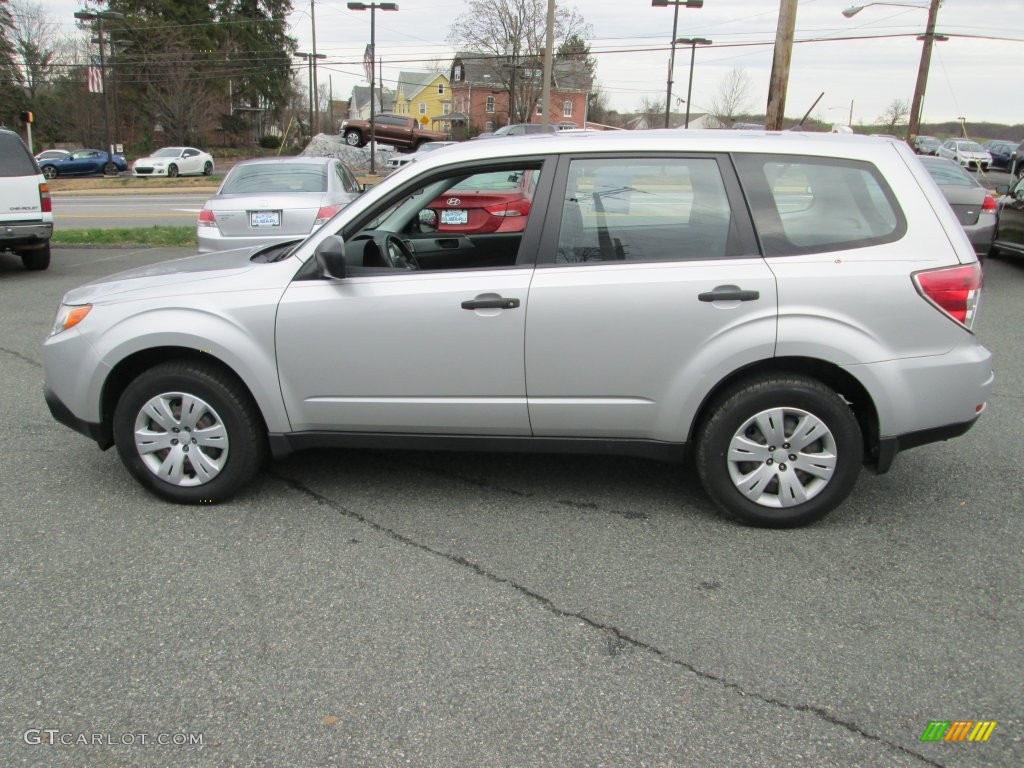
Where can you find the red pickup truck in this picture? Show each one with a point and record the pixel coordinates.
(401, 131)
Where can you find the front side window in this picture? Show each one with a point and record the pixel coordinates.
(656, 209)
(804, 205)
(466, 219)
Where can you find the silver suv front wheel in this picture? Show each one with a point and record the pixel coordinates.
(189, 432)
(779, 451)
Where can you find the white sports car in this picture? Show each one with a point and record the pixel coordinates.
(174, 161)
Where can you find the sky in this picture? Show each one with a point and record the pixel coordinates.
(976, 74)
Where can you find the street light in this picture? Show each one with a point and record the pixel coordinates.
(373, 53)
(672, 56)
(310, 59)
(929, 37)
(693, 42)
(98, 17)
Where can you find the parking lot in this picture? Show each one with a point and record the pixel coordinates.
(392, 608)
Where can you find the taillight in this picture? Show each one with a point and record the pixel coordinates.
(206, 218)
(45, 203)
(515, 208)
(989, 204)
(325, 213)
(954, 290)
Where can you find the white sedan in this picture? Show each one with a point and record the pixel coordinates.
(174, 161)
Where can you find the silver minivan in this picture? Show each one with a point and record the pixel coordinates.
(781, 308)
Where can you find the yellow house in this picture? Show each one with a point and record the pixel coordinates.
(425, 95)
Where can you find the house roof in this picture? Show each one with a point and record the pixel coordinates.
(361, 98)
(411, 83)
(484, 69)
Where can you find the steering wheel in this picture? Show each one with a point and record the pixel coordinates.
(396, 252)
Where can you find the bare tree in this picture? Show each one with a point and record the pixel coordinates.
(733, 98)
(650, 113)
(37, 45)
(895, 114)
(510, 34)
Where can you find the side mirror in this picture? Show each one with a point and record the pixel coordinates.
(428, 220)
(330, 257)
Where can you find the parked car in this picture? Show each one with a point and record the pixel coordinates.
(1009, 237)
(1001, 152)
(483, 203)
(274, 200)
(396, 162)
(51, 154)
(970, 201)
(519, 129)
(786, 307)
(174, 161)
(926, 145)
(1017, 164)
(26, 213)
(400, 131)
(84, 162)
(969, 154)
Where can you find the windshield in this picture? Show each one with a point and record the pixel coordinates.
(167, 152)
(970, 146)
(949, 175)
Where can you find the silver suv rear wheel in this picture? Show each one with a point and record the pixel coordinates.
(779, 451)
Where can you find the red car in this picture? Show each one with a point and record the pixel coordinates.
(485, 203)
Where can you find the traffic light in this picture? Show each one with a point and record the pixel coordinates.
(25, 117)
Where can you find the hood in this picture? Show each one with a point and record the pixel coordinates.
(203, 273)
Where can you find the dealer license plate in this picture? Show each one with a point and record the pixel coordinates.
(454, 216)
(262, 219)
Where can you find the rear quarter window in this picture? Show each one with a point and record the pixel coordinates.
(14, 157)
(804, 205)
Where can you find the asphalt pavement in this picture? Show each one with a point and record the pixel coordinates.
(361, 608)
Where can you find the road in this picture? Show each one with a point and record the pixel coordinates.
(83, 211)
(360, 608)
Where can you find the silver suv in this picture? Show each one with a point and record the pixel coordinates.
(26, 215)
(788, 307)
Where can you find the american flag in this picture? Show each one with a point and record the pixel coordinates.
(94, 76)
(368, 63)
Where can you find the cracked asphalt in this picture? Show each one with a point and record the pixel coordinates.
(432, 609)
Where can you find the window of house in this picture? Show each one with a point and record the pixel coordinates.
(566, 109)
(817, 205)
(540, 108)
(489, 125)
(645, 209)
(440, 89)
(457, 73)
(489, 106)
(423, 107)
(446, 108)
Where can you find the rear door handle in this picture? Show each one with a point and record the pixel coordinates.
(728, 293)
(498, 302)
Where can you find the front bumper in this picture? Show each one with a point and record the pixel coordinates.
(101, 434)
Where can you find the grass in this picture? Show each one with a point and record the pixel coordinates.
(183, 237)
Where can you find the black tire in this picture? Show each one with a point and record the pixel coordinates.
(353, 138)
(172, 170)
(771, 474)
(207, 168)
(110, 169)
(49, 171)
(36, 259)
(235, 435)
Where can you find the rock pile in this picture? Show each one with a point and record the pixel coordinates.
(356, 158)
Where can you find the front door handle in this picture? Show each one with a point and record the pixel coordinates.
(728, 293)
(497, 302)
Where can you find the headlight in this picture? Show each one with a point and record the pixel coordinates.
(68, 316)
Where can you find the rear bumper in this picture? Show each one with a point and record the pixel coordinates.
(888, 447)
(24, 233)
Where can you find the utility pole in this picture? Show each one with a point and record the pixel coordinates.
(779, 82)
(314, 128)
(549, 62)
(914, 123)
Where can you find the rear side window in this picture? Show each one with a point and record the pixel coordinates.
(658, 209)
(14, 157)
(804, 205)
